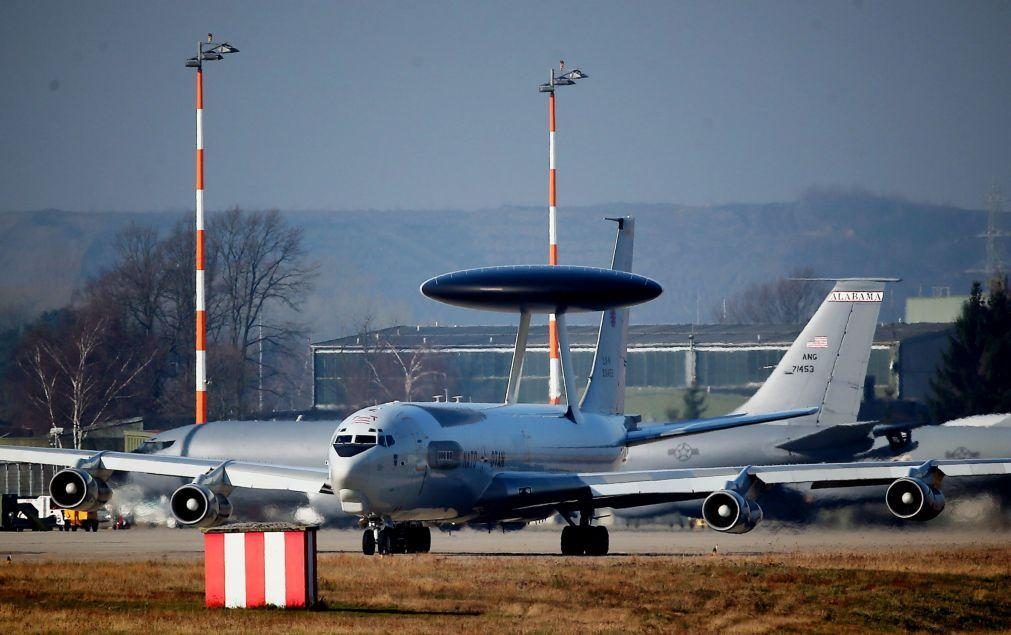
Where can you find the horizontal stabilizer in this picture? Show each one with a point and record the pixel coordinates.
(698, 426)
(843, 434)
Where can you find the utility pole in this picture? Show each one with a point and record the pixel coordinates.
(208, 51)
(562, 78)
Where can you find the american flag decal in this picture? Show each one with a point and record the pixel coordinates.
(819, 341)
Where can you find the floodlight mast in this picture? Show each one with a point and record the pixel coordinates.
(208, 51)
(554, 360)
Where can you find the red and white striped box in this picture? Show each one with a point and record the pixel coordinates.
(251, 565)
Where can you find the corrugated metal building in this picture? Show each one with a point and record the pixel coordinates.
(472, 362)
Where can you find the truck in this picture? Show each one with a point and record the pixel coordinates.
(37, 514)
(88, 521)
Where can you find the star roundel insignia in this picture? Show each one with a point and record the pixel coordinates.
(683, 452)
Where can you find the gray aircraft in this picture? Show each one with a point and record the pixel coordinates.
(401, 467)
(825, 366)
(980, 436)
(976, 437)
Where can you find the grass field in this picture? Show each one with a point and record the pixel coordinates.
(652, 403)
(959, 590)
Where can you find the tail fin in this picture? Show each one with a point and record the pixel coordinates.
(605, 392)
(827, 363)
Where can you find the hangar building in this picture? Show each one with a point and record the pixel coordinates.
(472, 362)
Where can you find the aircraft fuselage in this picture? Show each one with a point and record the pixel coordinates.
(432, 462)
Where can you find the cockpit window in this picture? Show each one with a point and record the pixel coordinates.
(345, 446)
(386, 440)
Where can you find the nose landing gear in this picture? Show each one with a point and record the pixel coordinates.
(400, 538)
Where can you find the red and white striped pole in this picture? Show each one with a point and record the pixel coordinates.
(201, 312)
(206, 52)
(554, 361)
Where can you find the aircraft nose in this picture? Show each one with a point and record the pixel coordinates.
(349, 462)
(348, 480)
(344, 472)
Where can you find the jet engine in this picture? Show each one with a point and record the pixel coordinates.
(195, 505)
(911, 499)
(78, 490)
(728, 511)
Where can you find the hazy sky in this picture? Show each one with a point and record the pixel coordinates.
(341, 105)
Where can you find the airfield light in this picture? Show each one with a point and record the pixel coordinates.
(556, 78)
(209, 51)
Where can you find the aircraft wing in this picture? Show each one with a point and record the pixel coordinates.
(523, 495)
(697, 426)
(237, 473)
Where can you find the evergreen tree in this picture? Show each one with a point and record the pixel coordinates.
(974, 376)
(694, 402)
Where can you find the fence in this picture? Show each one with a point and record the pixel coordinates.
(26, 479)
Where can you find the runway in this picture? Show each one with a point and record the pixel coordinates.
(807, 580)
(147, 543)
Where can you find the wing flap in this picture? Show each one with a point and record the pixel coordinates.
(856, 473)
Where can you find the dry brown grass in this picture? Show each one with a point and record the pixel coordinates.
(965, 589)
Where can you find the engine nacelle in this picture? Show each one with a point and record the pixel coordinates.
(730, 512)
(910, 498)
(78, 490)
(195, 505)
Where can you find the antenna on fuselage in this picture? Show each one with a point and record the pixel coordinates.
(519, 350)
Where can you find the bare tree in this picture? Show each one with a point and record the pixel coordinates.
(389, 370)
(409, 365)
(260, 273)
(788, 300)
(136, 285)
(77, 375)
(179, 288)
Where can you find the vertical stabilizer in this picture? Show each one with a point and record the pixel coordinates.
(827, 363)
(605, 392)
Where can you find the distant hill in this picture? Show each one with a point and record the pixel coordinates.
(374, 261)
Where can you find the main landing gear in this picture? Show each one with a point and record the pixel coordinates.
(402, 538)
(584, 538)
(589, 540)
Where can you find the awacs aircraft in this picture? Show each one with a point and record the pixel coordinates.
(824, 367)
(401, 465)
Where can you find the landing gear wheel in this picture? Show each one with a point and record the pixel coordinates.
(419, 539)
(572, 545)
(598, 541)
(368, 542)
(385, 545)
(424, 543)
